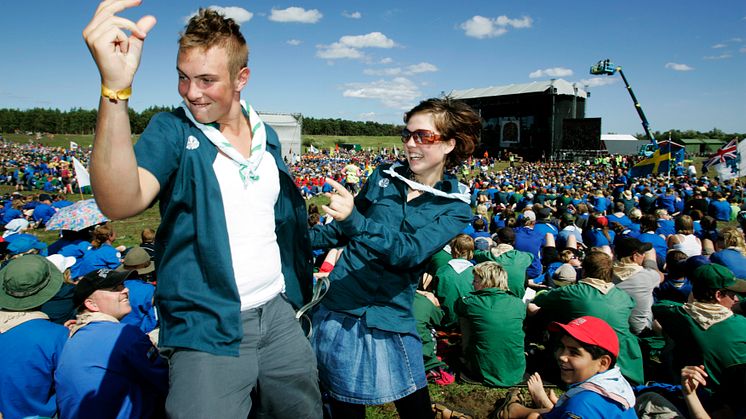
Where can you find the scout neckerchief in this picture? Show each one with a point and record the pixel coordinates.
(462, 195)
(247, 168)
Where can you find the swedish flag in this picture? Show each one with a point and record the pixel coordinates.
(659, 162)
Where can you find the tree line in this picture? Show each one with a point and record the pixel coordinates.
(83, 121)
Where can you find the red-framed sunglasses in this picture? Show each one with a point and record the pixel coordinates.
(420, 136)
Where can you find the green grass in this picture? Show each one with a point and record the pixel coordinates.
(329, 141)
(319, 141)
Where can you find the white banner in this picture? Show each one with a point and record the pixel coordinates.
(84, 179)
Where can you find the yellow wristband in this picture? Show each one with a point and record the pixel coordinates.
(116, 95)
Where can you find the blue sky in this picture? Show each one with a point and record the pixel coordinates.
(372, 60)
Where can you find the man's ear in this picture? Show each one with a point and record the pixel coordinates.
(242, 78)
(90, 305)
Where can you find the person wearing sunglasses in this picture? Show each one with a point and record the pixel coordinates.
(365, 334)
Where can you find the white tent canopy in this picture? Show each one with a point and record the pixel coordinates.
(622, 143)
(288, 127)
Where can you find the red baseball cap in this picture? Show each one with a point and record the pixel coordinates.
(590, 330)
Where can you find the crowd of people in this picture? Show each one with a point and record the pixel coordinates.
(622, 292)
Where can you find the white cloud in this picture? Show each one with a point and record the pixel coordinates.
(336, 51)
(742, 50)
(295, 15)
(367, 116)
(421, 68)
(483, 27)
(398, 93)
(238, 14)
(371, 40)
(397, 71)
(716, 46)
(598, 81)
(679, 67)
(387, 60)
(352, 15)
(736, 40)
(294, 42)
(349, 46)
(724, 56)
(551, 72)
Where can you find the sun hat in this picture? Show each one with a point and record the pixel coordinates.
(15, 225)
(716, 277)
(62, 263)
(28, 282)
(97, 280)
(565, 275)
(590, 330)
(137, 259)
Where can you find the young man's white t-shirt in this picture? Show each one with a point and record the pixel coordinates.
(250, 219)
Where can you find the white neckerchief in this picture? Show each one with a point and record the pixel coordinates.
(247, 168)
(610, 384)
(461, 195)
(460, 265)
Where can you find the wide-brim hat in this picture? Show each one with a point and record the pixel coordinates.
(137, 259)
(28, 282)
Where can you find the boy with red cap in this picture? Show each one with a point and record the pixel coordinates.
(587, 359)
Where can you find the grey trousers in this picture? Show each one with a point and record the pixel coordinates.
(275, 358)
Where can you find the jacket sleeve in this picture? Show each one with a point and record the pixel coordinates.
(408, 249)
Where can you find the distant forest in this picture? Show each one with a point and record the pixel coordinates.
(82, 121)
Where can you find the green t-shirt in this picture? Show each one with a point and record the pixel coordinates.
(720, 346)
(492, 325)
(449, 287)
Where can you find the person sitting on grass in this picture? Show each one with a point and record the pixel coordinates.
(492, 324)
(587, 360)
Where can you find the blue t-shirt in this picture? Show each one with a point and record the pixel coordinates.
(589, 404)
(659, 244)
(29, 355)
(43, 212)
(530, 240)
(666, 227)
(115, 362)
(105, 256)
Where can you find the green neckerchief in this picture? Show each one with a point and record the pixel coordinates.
(247, 168)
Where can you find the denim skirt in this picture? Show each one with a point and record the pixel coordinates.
(363, 365)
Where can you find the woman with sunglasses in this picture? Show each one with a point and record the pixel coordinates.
(365, 334)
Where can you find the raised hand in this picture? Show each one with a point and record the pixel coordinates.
(341, 203)
(116, 54)
(692, 377)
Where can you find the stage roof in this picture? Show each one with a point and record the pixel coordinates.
(563, 88)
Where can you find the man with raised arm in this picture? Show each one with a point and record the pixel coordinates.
(232, 249)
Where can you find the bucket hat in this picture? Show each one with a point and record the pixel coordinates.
(28, 282)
